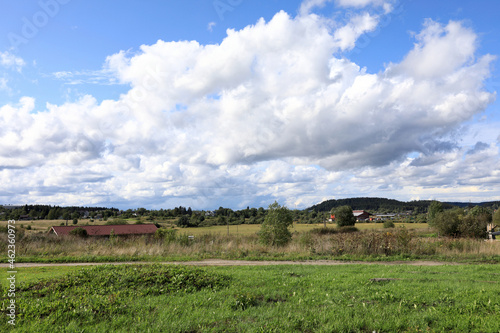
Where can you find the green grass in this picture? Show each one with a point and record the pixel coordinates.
(33, 274)
(289, 298)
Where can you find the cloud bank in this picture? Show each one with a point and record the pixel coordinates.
(275, 111)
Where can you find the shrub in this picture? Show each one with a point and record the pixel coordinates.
(75, 221)
(274, 229)
(348, 229)
(167, 235)
(447, 223)
(389, 224)
(80, 232)
(324, 231)
(474, 226)
(453, 223)
(344, 216)
(183, 221)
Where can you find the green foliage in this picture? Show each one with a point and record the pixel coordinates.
(447, 223)
(455, 223)
(333, 231)
(80, 232)
(75, 221)
(474, 226)
(479, 210)
(435, 208)
(380, 205)
(496, 218)
(102, 292)
(344, 216)
(167, 235)
(274, 229)
(183, 221)
(244, 301)
(389, 224)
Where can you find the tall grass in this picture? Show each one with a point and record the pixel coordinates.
(306, 245)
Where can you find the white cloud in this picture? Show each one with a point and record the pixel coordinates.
(9, 60)
(267, 113)
(211, 26)
(346, 36)
(307, 5)
(4, 84)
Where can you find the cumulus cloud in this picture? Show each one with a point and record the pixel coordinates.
(8, 60)
(267, 113)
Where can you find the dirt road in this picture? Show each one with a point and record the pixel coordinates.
(220, 262)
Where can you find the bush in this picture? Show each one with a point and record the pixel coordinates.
(80, 232)
(167, 235)
(474, 226)
(348, 229)
(183, 221)
(389, 224)
(274, 229)
(324, 231)
(453, 223)
(447, 223)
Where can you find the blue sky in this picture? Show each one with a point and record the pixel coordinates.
(239, 103)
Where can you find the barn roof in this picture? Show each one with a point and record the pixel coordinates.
(357, 213)
(105, 230)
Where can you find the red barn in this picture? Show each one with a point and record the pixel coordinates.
(361, 215)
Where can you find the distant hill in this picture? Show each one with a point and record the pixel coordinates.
(383, 205)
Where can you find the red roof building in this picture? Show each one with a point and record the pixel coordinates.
(361, 215)
(105, 230)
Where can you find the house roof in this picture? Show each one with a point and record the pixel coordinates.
(105, 230)
(359, 212)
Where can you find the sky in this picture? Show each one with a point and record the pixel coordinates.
(236, 103)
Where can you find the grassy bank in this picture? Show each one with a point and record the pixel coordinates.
(386, 244)
(290, 298)
(314, 243)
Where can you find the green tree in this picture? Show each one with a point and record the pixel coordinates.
(448, 222)
(496, 218)
(344, 216)
(183, 221)
(474, 226)
(434, 209)
(274, 229)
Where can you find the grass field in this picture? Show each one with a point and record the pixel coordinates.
(249, 229)
(243, 229)
(289, 298)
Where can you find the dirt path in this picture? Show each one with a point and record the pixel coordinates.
(220, 262)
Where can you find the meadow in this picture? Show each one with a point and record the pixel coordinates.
(309, 242)
(288, 298)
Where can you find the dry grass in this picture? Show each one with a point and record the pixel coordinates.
(304, 245)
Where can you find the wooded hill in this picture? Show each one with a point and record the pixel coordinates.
(383, 205)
